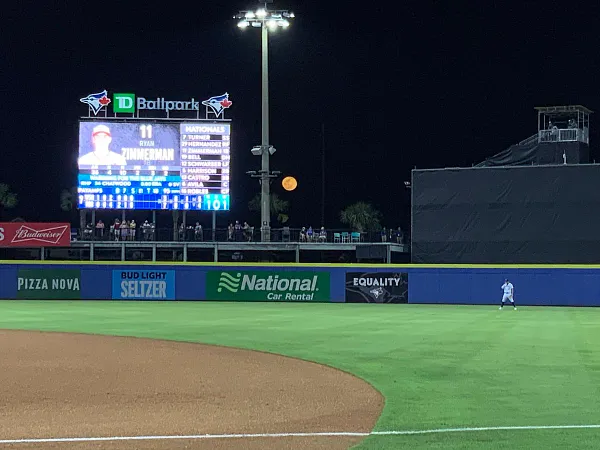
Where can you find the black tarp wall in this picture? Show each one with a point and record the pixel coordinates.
(540, 154)
(505, 215)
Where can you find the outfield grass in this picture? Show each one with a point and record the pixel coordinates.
(437, 366)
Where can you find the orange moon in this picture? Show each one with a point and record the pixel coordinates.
(289, 183)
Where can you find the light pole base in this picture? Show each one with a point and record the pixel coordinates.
(265, 233)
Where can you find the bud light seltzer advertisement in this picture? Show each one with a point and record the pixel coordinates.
(376, 287)
(143, 285)
(49, 284)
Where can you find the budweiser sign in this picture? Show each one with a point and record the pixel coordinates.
(24, 234)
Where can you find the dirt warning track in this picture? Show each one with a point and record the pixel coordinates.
(58, 385)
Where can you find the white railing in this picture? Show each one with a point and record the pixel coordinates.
(564, 135)
(530, 140)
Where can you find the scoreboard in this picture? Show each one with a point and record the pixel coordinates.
(154, 165)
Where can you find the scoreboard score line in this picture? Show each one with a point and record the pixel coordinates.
(154, 165)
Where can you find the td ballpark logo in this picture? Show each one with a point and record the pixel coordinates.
(127, 103)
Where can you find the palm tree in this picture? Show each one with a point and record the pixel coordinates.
(279, 207)
(8, 199)
(361, 216)
(69, 203)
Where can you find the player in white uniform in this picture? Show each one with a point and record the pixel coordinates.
(508, 290)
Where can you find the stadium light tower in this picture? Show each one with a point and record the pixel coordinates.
(269, 21)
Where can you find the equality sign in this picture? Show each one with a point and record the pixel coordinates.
(376, 287)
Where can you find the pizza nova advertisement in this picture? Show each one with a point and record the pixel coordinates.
(376, 287)
(264, 286)
(49, 284)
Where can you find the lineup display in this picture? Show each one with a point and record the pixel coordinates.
(154, 165)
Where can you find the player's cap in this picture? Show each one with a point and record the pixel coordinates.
(101, 129)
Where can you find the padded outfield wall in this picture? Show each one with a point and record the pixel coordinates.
(336, 283)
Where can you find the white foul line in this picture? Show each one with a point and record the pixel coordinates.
(284, 435)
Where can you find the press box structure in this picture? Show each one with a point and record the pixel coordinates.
(536, 202)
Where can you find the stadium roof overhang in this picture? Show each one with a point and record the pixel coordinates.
(554, 111)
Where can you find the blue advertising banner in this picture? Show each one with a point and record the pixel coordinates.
(143, 285)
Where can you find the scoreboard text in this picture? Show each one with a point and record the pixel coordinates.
(154, 165)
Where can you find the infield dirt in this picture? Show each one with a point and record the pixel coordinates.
(58, 385)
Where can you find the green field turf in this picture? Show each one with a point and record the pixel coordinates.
(437, 366)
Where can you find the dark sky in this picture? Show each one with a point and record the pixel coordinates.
(397, 85)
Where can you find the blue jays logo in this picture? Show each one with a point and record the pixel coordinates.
(376, 292)
(218, 104)
(96, 101)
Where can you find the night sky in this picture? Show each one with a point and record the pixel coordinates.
(397, 85)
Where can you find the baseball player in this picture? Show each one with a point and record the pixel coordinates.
(509, 291)
(102, 155)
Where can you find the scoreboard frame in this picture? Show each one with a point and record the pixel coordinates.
(174, 205)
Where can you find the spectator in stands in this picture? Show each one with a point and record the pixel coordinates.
(303, 234)
(198, 233)
(238, 234)
(399, 236)
(230, 231)
(148, 231)
(132, 227)
(124, 230)
(117, 228)
(100, 229)
(88, 232)
(190, 233)
(322, 235)
(572, 123)
(310, 233)
(384, 235)
(247, 232)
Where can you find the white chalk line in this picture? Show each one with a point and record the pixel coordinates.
(287, 435)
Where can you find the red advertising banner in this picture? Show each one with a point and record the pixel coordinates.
(26, 234)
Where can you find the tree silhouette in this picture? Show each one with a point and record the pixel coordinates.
(361, 216)
(69, 203)
(279, 207)
(8, 199)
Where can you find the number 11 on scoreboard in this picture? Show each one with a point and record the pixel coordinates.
(146, 131)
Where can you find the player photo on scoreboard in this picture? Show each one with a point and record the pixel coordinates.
(126, 145)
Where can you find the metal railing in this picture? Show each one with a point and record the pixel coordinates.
(152, 234)
(564, 135)
(530, 140)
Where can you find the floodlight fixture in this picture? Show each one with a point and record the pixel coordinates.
(269, 20)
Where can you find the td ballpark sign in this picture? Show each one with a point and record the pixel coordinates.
(129, 103)
(263, 286)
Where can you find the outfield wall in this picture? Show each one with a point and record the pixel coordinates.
(534, 285)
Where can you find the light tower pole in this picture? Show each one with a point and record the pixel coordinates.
(268, 20)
